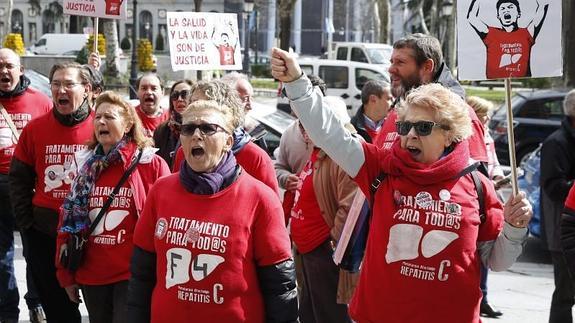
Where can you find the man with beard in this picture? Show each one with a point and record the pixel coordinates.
(417, 60)
(20, 103)
(150, 92)
(508, 46)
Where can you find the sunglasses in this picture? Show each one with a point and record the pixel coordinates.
(180, 94)
(422, 128)
(206, 129)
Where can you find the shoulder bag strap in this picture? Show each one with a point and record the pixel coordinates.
(9, 122)
(480, 195)
(114, 192)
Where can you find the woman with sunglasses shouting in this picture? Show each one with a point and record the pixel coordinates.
(211, 244)
(167, 135)
(434, 217)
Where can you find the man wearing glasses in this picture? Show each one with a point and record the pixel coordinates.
(41, 172)
(19, 105)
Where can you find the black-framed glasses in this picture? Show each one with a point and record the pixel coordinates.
(206, 129)
(422, 128)
(67, 85)
(184, 94)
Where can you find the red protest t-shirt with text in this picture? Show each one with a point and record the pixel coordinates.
(49, 147)
(208, 248)
(508, 52)
(109, 248)
(308, 228)
(422, 244)
(22, 109)
(477, 148)
(151, 123)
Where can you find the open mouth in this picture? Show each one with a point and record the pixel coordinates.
(5, 80)
(506, 16)
(63, 101)
(413, 151)
(103, 132)
(149, 100)
(198, 152)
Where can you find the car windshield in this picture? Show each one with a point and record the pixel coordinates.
(379, 55)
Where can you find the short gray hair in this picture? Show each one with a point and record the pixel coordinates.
(569, 104)
(233, 78)
(224, 95)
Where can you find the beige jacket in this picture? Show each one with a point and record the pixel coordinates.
(335, 190)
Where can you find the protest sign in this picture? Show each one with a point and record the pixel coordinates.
(204, 41)
(112, 9)
(509, 39)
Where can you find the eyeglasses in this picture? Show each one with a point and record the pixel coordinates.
(66, 85)
(180, 94)
(422, 128)
(9, 66)
(206, 129)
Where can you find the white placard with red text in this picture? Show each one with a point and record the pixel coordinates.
(204, 41)
(112, 9)
(500, 39)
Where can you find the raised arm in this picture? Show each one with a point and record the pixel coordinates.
(473, 18)
(535, 25)
(321, 124)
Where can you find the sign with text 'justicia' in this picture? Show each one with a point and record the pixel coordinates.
(204, 41)
(500, 39)
(112, 9)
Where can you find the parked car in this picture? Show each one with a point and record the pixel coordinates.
(372, 53)
(38, 81)
(58, 44)
(271, 122)
(536, 114)
(342, 78)
(529, 183)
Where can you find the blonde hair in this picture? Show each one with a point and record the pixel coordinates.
(450, 110)
(128, 113)
(481, 106)
(215, 106)
(225, 96)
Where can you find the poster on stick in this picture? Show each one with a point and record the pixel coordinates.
(112, 9)
(500, 39)
(204, 41)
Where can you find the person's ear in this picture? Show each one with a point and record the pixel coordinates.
(229, 142)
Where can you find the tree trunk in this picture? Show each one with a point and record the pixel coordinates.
(285, 8)
(8, 25)
(568, 43)
(112, 48)
(384, 19)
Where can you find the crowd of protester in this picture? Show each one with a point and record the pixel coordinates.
(180, 212)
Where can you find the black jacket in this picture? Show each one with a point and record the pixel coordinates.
(167, 143)
(568, 238)
(277, 284)
(557, 175)
(358, 122)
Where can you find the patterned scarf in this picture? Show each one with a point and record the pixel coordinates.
(75, 207)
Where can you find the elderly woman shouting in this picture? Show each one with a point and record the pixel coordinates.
(434, 218)
(211, 244)
(118, 142)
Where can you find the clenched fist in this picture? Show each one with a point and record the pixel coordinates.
(284, 66)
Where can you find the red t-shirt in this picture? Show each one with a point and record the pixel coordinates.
(49, 147)
(208, 248)
(109, 248)
(252, 158)
(151, 123)
(477, 148)
(226, 55)
(422, 245)
(21, 108)
(508, 52)
(570, 201)
(308, 228)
